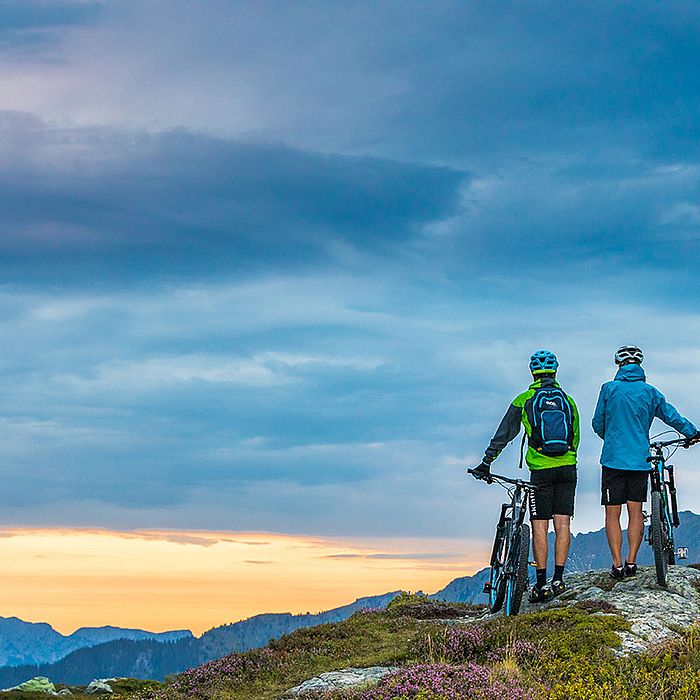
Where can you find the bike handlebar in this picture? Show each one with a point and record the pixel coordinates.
(668, 443)
(507, 480)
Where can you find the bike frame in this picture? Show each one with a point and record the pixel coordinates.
(515, 512)
(662, 479)
(507, 545)
(665, 518)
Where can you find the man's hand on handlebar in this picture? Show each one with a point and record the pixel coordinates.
(483, 471)
(692, 440)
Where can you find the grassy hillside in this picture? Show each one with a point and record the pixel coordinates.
(565, 653)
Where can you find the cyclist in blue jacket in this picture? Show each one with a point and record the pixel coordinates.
(623, 416)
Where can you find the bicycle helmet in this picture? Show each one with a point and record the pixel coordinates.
(629, 354)
(543, 362)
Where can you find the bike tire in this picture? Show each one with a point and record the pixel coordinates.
(497, 581)
(659, 538)
(518, 579)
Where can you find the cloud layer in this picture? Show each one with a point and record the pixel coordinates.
(282, 268)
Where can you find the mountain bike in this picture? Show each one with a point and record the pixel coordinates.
(664, 506)
(511, 548)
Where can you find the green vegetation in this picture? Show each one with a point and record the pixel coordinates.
(563, 653)
(421, 607)
(377, 638)
(122, 687)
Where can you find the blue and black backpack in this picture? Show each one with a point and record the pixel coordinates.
(552, 421)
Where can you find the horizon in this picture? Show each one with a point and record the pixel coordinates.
(197, 579)
(279, 267)
(338, 595)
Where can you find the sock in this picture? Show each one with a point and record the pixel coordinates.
(541, 577)
(558, 572)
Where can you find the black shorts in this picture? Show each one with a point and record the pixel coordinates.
(556, 492)
(621, 485)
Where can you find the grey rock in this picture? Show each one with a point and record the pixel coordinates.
(64, 691)
(655, 614)
(98, 687)
(589, 551)
(346, 678)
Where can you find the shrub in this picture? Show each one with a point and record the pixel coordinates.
(446, 682)
(593, 606)
(420, 607)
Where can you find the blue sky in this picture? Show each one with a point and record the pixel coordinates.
(280, 266)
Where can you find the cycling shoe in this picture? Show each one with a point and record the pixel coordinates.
(617, 572)
(630, 569)
(558, 587)
(540, 595)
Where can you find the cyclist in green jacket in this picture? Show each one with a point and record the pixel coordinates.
(551, 422)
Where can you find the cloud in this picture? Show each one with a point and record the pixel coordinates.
(443, 82)
(29, 28)
(396, 555)
(283, 269)
(104, 205)
(384, 391)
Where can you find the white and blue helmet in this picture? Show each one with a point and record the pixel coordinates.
(543, 361)
(629, 354)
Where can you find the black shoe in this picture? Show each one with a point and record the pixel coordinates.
(617, 572)
(558, 587)
(630, 569)
(540, 595)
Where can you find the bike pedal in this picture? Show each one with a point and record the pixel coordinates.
(532, 563)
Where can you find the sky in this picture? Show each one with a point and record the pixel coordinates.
(279, 267)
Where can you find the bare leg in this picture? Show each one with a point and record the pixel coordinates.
(562, 528)
(614, 533)
(539, 542)
(635, 529)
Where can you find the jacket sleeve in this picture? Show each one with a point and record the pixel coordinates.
(669, 415)
(576, 423)
(508, 430)
(599, 415)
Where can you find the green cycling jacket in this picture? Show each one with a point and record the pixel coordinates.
(518, 414)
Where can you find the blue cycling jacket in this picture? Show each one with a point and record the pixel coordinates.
(626, 408)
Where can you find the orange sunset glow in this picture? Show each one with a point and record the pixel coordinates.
(161, 580)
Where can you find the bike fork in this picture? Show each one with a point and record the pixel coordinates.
(672, 492)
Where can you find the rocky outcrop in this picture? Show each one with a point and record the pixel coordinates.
(654, 613)
(38, 684)
(99, 687)
(335, 680)
(589, 551)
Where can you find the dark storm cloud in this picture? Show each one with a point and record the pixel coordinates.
(35, 24)
(476, 82)
(509, 78)
(186, 204)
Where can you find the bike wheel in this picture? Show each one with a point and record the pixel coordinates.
(517, 581)
(497, 580)
(659, 537)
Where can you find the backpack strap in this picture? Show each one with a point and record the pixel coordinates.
(522, 448)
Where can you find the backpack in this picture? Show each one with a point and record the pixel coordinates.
(552, 422)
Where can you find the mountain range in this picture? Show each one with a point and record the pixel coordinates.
(38, 643)
(111, 651)
(151, 658)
